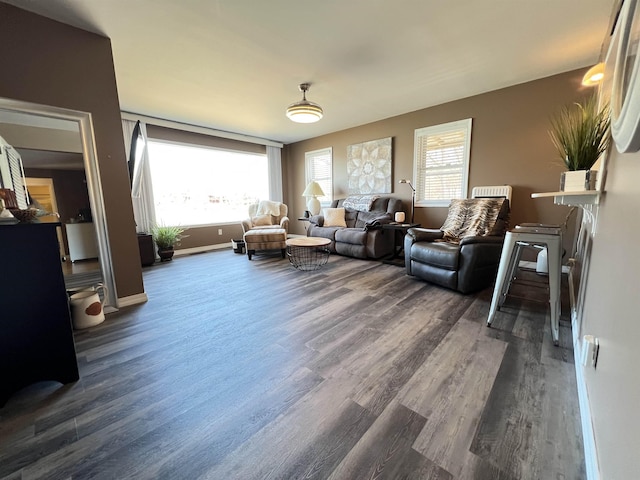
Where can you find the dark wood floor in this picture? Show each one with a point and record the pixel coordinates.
(240, 369)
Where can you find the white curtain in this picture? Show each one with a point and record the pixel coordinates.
(274, 158)
(141, 188)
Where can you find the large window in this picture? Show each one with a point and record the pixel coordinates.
(441, 162)
(195, 185)
(319, 167)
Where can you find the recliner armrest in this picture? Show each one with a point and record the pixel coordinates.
(284, 223)
(425, 234)
(246, 225)
(317, 220)
(482, 239)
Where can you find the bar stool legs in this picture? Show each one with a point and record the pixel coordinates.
(514, 243)
(555, 258)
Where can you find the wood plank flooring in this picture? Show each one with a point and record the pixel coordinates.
(240, 369)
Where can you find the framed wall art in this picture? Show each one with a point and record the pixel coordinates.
(369, 167)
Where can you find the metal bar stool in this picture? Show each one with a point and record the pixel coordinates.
(514, 243)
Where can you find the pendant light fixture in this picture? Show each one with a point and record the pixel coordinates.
(304, 111)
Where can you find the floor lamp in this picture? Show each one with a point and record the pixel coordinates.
(413, 196)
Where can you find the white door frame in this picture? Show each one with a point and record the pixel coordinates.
(92, 172)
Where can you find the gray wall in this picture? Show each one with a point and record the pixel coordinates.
(611, 313)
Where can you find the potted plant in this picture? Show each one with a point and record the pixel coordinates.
(166, 237)
(581, 134)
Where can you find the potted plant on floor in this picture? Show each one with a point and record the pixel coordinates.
(581, 134)
(166, 237)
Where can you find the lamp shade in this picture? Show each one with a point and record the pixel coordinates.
(313, 190)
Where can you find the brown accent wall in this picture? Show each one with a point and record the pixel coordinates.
(509, 145)
(50, 63)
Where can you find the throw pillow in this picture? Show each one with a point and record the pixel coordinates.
(261, 220)
(334, 217)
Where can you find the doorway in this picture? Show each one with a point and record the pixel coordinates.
(78, 125)
(42, 193)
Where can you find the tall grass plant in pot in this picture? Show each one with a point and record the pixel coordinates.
(581, 133)
(166, 237)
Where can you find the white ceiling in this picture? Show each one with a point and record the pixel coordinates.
(235, 65)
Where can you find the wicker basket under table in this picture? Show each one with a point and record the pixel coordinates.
(308, 253)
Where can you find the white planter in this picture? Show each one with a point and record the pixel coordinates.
(578, 180)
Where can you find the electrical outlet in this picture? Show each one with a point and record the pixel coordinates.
(219, 231)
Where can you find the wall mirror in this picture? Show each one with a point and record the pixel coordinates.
(59, 157)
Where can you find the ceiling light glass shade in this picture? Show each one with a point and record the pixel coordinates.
(594, 75)
(304, 111)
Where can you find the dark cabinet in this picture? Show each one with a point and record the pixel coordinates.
(36, 336)
(147, 251)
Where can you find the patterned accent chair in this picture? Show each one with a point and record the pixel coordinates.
(266, 228)
(464, 253)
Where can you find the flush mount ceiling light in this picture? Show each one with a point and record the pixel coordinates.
(594, 75)
(304, 111)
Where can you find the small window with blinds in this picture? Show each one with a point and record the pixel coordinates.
(319, 167)
(441, 163)
(12, 173)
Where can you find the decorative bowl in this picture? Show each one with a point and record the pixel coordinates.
(24, 215)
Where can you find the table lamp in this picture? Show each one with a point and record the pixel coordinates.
(313, 191)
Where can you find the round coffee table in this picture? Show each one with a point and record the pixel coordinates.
(308, 253)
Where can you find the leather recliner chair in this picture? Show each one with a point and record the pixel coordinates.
(464, 253)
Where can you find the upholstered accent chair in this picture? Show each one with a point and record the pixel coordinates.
(266, 228)
(464, 253)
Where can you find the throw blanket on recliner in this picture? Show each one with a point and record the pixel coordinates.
(359, 202)
(267, 207)
(471, 217)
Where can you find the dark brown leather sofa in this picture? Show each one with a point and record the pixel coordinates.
(362, 237)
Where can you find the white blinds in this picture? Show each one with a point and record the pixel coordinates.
(319, 167)
(441, 162)
(12, 173)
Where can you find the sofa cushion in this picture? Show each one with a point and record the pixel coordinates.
(323, 232)
(350, 217)
(334, 217)
(355, 236)
(351, 250)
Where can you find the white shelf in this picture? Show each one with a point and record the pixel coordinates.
(587, 197)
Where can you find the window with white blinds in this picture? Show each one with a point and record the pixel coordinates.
(319, 167)
(441, 163)
(12, 173)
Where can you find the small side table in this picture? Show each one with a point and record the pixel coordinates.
(399, 231)
(308, 253)
(306, 224)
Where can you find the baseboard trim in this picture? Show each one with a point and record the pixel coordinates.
(204, 248)
(588, 438)
(132, 300)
